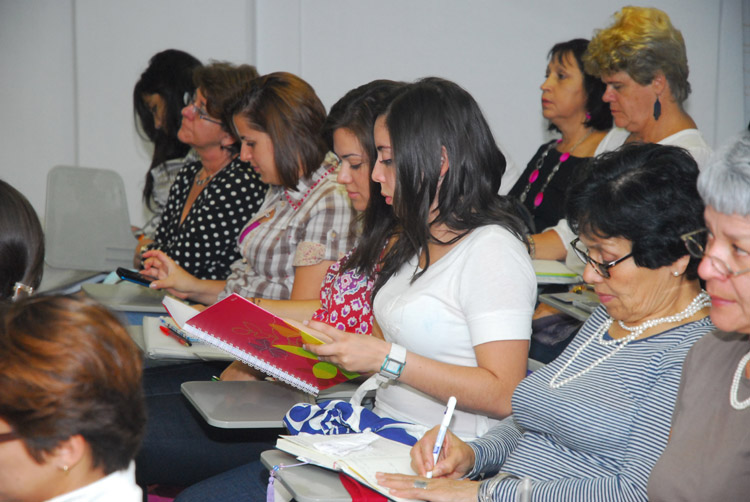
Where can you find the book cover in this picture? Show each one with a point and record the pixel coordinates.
(266, 342)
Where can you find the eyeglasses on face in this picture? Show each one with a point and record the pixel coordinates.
(696, 245)
(189, 100)
(9, 436)
(599, 267)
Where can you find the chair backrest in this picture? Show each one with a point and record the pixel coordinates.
(87, 225)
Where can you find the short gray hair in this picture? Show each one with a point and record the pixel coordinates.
(724, 183)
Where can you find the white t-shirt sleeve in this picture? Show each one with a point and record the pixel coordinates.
(498, 288)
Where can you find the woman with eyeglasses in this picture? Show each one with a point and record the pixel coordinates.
(214, 195)
(591, 424)
(708, 450)
(71, 403)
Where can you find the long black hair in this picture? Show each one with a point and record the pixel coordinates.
(426, 117)
(21, 242)
(357, 112)
(170, 75)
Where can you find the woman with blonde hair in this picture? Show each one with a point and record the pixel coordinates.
(642, 60)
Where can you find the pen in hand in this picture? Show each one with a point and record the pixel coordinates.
(441, 432)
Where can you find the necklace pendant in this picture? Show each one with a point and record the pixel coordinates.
(538, 199)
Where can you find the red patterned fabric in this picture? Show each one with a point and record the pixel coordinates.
(346, 299)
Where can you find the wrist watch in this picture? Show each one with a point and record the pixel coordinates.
(394, 362)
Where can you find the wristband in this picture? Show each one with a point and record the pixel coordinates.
(394, 362)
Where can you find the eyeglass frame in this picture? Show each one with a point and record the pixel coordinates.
(189, 99)
(722, 267)
(600, 268)
(9, 436)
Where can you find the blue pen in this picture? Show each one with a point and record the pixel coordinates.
(441, 433)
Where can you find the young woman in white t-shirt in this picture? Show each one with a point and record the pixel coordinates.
(457, 290)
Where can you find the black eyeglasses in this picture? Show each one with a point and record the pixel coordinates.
(9, 436)
(695, 243)
(189, 100)
(600, 268)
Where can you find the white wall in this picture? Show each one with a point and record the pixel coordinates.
(67, 67)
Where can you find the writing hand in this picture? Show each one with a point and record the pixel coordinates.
(456, 457)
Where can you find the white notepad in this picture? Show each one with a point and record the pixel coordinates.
(357, 455)
(161, 346)
(554, 272)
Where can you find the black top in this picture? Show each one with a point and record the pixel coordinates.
(552, 208)
(206, 242)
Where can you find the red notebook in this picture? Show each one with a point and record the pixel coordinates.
(264, 341)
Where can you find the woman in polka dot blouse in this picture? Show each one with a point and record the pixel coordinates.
(212, 198)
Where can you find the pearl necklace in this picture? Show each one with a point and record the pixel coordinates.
(537, 169)
(699, 302)
(736, 403)
(304, 196)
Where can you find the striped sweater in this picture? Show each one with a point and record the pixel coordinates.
(597, 437)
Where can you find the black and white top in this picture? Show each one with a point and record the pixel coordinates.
(205, 243)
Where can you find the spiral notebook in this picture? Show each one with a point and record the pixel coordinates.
(266, 342)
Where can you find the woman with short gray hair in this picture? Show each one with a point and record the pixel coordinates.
(706, 457)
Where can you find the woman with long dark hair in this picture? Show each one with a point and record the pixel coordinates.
(157, 102)
(456, 292)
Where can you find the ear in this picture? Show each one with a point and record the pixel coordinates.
(68, 453)
(444, 162)
(680, 265)
(227, 139)
(659, 83)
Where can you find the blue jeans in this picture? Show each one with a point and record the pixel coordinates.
(248, 482)
(179, 447)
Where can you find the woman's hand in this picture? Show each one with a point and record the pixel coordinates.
(456, 457)
(168, 274)
(238, 371)
(437, 490)
(350, 351)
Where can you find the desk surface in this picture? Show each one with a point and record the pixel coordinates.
(306, 483)
(66, 280)
(243, 405)
(568, 307)
(127, 297)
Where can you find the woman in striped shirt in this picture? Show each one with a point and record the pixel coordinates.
(591, 424)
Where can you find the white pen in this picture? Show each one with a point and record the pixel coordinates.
(441, 433)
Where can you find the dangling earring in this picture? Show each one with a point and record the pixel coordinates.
(657, 109)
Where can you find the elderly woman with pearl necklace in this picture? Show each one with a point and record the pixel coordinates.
(591, 424)
(707, 455)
